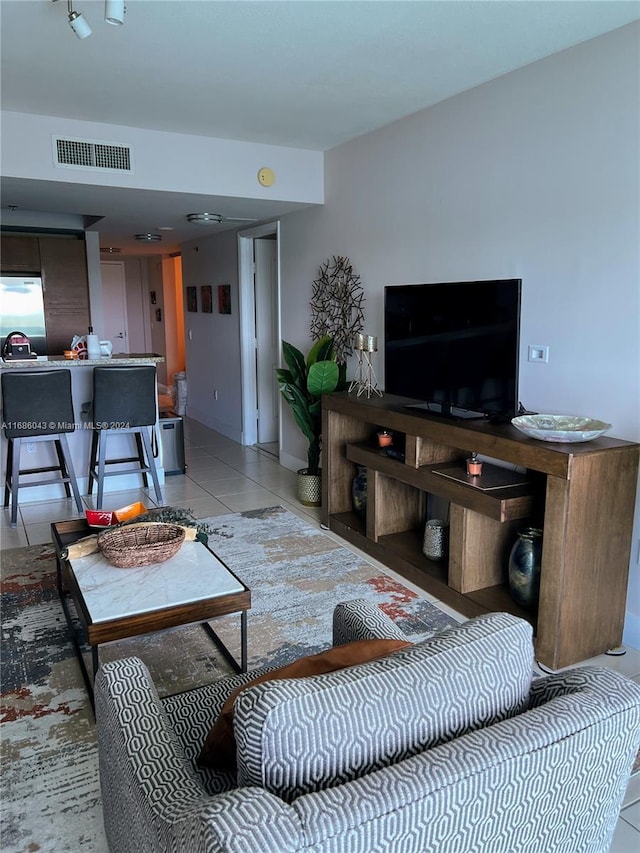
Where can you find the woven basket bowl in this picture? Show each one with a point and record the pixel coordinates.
(130, 547)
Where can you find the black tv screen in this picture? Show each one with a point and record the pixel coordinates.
(453, 346)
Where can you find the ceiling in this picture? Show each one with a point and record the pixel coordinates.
(302, 73)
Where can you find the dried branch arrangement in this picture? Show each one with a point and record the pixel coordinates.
(336, 305)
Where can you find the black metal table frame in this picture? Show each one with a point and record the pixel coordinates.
(79, 634)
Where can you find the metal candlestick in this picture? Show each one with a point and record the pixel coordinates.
(365, 382)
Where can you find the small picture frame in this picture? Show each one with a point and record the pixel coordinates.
(206, 298)
(192, 299)
(153, 296)
(224, 298)
(159, 315)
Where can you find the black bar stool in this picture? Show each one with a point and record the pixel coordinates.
(124, 401)
(37, 406)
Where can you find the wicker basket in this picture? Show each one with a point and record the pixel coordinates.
(130, 547)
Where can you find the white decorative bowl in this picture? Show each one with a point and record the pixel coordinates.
(560, 428)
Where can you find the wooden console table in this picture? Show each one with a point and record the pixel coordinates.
(582, 495)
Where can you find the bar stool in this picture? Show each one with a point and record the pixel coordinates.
(124, 401)
(37, 406)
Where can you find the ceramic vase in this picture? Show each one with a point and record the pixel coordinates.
(359, 492)
(435, 545)
(524, 567)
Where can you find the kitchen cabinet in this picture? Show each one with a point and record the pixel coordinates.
(61, 262)
(582, 495)
(66, 291)
(20, 254)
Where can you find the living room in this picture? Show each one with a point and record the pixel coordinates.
(531, 175)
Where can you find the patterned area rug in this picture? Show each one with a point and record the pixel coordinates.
(50, 790)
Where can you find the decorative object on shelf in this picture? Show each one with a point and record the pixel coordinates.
(302, 385)
(436, 539)
(359, 492)
(560, 428)
(385, 438)
(365, 381)
(524, 567)
(336, 305)
(474, 465)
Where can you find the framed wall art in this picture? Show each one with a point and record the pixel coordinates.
(224, 298)
(206, 299)
(192, 299)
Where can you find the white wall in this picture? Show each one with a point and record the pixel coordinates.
(212, 341)
(534, 175)
(173, 162)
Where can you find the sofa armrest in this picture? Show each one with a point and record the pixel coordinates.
(145, 780)
(359, 619)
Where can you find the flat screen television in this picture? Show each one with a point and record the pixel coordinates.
(453, 346)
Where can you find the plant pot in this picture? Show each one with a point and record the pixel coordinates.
(309, 488)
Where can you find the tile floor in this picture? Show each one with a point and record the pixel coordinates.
(224, 477)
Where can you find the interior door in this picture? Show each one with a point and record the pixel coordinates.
(266, 306)
(114, 305)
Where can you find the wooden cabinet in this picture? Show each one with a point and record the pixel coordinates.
(66, 291)
(20, 254)
(582, 495)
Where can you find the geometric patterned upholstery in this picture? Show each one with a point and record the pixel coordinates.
(550, 778)
(296, 736)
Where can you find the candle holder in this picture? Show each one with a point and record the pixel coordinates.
(365, 382)
(474, 466)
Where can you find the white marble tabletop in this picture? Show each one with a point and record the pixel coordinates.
(193, 574)
(48, 361)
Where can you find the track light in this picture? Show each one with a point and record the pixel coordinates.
(114, 12)
(78, 23)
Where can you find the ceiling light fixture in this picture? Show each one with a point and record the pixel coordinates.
(149, 238)
(78, 22)
(114, 12)
(205, 218)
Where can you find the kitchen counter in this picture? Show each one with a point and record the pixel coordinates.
(120, 446)
(47, 361)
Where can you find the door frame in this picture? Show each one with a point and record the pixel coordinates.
(247, 306)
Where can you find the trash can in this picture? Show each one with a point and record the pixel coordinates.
(172, 439)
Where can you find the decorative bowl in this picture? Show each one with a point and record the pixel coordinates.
(560, 428)
(144, 545)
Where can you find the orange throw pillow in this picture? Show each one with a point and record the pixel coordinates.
(219, 750)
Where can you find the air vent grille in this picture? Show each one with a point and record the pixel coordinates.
(87, 154)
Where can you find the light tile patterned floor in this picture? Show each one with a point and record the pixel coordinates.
(224, 477)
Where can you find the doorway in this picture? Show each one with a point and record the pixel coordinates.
(259, 273)
(114, 305)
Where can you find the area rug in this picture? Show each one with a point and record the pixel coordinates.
(50, 789)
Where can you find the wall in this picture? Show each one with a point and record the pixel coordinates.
(212, 341)
(173, 162)
(534, 175)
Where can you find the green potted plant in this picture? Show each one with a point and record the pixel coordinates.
(302, 384)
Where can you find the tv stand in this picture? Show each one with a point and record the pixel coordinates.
(582, 495)
(444, 410)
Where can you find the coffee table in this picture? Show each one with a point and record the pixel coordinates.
(115, 604)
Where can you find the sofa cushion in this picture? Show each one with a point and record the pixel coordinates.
(219, 750)
(303, 735)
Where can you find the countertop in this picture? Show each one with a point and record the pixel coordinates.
(119, 360)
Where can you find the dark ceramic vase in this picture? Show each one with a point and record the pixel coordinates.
(524, 567)
(359, 492)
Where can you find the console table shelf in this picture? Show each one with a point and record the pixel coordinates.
(582, 495)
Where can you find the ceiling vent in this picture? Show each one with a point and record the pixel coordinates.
(90, 154)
